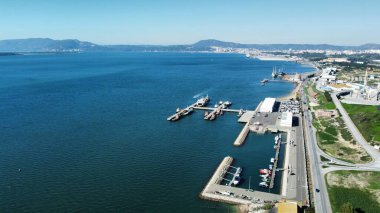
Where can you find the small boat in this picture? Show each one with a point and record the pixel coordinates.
(264, 81)
(270, 166)
(177, 110)
(275, 147)
(263, 171)
(221, 112)
(236, 180)
(220, 102)
(228, 103)
(188, 111)
(264, 176)
(241, 112)
(216, 105)
(202, 101)
(263, 184)
(175, 118)
(212, 117)
(206, 113)
(272, 160)
(238, 170)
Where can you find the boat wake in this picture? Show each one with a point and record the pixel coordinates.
(201, 94)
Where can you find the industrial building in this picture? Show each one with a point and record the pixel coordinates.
(267, 105)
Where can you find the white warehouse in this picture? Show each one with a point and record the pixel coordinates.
(267, 105)
(286, 119)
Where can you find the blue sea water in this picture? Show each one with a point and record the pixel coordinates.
(88, 132)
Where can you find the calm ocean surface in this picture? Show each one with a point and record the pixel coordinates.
(88, 132)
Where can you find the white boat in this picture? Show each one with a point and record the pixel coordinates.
(188, 111)
(241, 112)
(274, 73)
(216, 105)
(236, 180)
(228, 103)
(202, 101)
(272, 160)
(238, 170)
(263, 184)
(177, 110)
(270, 166)
(264, 176)
(220, 102)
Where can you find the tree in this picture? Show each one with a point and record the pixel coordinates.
(346, 208)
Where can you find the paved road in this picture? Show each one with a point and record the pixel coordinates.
(301, 163)
(321, 198)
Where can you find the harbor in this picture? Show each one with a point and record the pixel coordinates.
(270, 116)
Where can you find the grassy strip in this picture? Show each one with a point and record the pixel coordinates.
(361, 198)
(367, 119)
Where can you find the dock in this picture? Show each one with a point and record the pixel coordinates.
(216, 111)
(243, 134)
(189, 109)
(271, 184)
(229, 194)
(180, 113)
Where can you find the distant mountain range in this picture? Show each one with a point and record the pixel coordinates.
(50, 45)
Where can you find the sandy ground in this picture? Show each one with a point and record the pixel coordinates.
(292, 94)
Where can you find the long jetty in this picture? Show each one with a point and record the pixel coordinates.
(215, 111)
(271, 184)
(243, 134)
(180, 113)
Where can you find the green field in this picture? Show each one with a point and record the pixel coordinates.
(363, 199)
(324, 100)
(367, 120)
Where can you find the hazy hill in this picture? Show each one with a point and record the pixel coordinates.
(50, 45)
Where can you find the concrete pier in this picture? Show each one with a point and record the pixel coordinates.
(271, 184)
(180, 113)
(233, 195)
(243, 134)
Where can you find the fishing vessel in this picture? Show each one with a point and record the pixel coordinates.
(188, 111)
(202, 101)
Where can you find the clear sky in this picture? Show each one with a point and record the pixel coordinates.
(349, 22)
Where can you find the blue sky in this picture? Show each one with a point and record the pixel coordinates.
(187, 21)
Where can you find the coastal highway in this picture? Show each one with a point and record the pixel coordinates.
(321, 198)
(301, 163)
